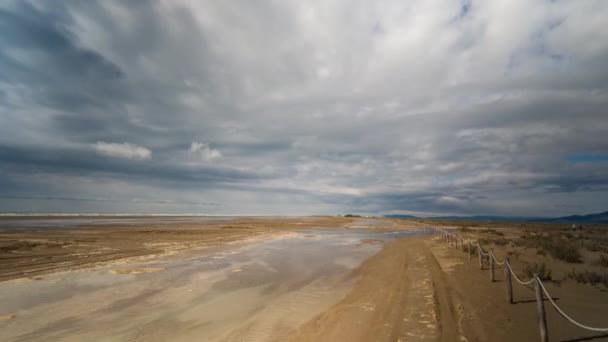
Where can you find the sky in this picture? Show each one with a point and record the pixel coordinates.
(426, 107)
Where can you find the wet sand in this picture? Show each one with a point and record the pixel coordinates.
(34, 246)
(255, 287)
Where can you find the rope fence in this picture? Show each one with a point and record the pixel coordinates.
(564, 314)
(517, 279)
(540, 290)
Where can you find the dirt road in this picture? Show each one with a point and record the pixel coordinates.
(421, 289)
(401, 296)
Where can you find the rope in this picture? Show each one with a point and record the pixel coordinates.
(564, 314)
(561, 312)
(481, 250)
(519, 280)
(496, 261)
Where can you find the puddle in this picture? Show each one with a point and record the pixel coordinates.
(259, 291)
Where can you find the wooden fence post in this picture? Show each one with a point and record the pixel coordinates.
(480, 257)
(491, 260)
(456, 241)
(508, 278)
(540, 306)
(469, 248)
(491, 264)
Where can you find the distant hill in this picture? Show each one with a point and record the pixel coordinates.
(400, 216)
(471, 218)
(591, 218)
(485, 218)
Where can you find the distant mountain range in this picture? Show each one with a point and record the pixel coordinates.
(591, 218)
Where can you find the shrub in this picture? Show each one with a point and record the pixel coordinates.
(595, 246)
(483, 241)
(554, 245)
(566, 252)
(588, 277)
(497, 242)
(544, 273)
(500, 242)
(492, 231)
(602, 261)
(473, 248)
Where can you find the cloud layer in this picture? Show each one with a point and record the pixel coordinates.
(425, 107)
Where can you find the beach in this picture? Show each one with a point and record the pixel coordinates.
(262, 279)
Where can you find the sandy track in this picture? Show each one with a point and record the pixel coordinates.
(401, 296)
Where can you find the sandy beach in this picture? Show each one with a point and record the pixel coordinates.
(264, 279)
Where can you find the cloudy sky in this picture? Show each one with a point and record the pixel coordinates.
(304, 107)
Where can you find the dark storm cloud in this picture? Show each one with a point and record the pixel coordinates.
(424, 107)
(76, 162)
(60, 73)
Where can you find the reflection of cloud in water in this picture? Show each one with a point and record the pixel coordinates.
(278, 274)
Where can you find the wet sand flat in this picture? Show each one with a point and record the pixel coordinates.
(258, 288)
(33, 246)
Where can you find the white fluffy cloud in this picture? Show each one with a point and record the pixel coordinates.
(122, 150)
(204, 151)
